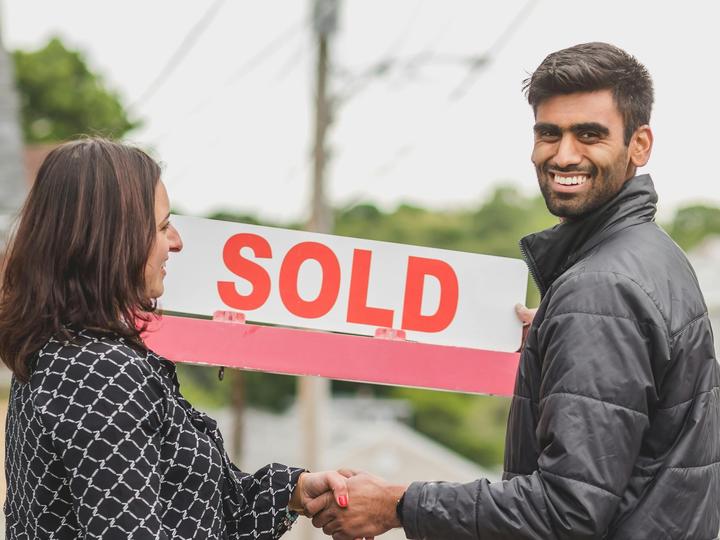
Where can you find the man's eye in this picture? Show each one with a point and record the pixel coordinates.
(589, 136)
(547, 134)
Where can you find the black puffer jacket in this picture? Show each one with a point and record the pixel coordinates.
(614, 429)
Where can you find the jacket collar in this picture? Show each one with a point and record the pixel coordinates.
(550, 252)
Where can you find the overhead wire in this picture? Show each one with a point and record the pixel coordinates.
(477, 63)
(474, 64)
(268, 50)
(358, 82)
(244, 69)
(389, 63)
(186, 45)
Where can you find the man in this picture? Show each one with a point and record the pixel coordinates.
(614, 427)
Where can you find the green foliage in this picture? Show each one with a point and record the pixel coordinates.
(270, 391)
(494, 228)
(61, 98)
(692, 224)
(236, 218)
(201, 386)
(473, 426)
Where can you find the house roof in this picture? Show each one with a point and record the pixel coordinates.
(359, 434)
(705, 259)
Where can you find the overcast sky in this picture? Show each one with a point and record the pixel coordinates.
(233, 124)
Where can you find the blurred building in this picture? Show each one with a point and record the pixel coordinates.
(360, 433)
(705, 258)
(12, 187)
(33, 156)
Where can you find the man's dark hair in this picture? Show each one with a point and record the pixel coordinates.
(78, 257)
(589, 67)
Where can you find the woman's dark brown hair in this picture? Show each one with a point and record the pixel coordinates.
(78, 257)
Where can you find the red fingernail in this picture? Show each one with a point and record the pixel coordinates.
(342, 501)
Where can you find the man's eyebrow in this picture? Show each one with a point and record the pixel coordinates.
(546, 127)
(590, 126)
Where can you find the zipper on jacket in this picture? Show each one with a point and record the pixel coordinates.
(530, 263)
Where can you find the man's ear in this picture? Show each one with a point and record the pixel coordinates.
(640, 146)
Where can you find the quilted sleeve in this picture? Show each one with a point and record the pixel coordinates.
(596, 389)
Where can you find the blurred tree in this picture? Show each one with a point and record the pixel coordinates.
(692, 224)
(225, 215)
(61, 98)
(494, 228)
(473, 426)
(268, 391)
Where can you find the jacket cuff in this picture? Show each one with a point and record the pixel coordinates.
(441, 510)
(411, 503)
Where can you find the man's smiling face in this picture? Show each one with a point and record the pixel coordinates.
(580, 156)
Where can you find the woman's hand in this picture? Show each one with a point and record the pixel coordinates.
(316, 491)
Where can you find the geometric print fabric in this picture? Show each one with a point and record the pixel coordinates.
(101, 444)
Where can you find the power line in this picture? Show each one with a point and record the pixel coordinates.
(247, 67)
(409, 66)
(186, 45)
(268, 50)
(477, 63)
(474, 63)
(407, 30)
(293, 61)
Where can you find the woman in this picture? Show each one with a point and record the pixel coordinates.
(100, 442)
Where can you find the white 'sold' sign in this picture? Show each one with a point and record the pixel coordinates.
(342, 284)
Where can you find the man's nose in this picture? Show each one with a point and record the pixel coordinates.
(567, 152)
(176, 243)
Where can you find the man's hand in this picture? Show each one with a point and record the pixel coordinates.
(317, 491)
(526, 316)
(371, 513)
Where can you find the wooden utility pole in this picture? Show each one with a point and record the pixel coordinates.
(237, 406)
(324, 25)
(314, 392)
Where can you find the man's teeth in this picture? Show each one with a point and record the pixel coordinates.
(570, 180)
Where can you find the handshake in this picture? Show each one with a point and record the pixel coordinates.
(347, 504)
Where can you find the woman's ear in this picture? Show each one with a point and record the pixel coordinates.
(640, 146)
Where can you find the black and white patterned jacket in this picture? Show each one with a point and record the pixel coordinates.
(101, 444)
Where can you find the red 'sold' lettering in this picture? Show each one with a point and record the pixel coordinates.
(253, 272)
(358, 310)
(413, 319)
(329, 288)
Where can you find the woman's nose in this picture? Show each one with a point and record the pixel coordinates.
(176, 243)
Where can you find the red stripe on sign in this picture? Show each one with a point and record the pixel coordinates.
(335, 356)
